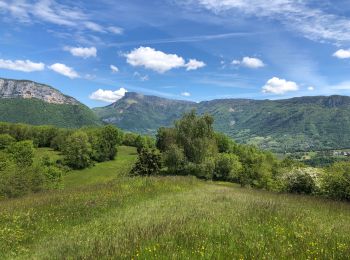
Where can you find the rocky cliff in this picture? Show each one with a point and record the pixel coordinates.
(26, 89)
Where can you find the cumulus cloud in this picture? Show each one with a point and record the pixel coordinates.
(342, 54)
(82, 52)
(114, 69)
(186, 94)
(159, 61)
(315, 22)
(21, 65)
(279, 86)
(64, 70)
(194, 64)
(252, 63)
(108, 95)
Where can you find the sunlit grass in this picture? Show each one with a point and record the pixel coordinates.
(106, 214)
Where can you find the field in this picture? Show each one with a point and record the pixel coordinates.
(103, 213)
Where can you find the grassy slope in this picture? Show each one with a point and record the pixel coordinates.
(169, 217)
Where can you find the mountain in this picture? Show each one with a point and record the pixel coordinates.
(24, 101)
(296, 124)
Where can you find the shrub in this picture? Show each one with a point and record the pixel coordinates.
(6, 140)
(227, 167)
(22, 153)
(336, 181)
(302, 180)
(148, 163)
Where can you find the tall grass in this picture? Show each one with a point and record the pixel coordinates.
(169, 218)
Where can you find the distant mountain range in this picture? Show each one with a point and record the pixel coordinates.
(303, 123)
(24, 101)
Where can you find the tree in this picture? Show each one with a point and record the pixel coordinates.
(22, 153)
(165, 138)
(195, 135)
(227, 167)
(148, 163)
(174, 159)
(77, 151)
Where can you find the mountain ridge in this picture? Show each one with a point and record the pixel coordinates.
(299, 123)
(25, 101)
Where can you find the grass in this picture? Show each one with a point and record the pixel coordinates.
(109, 215)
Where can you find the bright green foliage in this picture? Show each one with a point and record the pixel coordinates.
(22, 153)
(104, 142)
(77, 151)
(196, 135)
(336, 182)
(148, 163)
(227, 167)
(6, 140)
(37, 112)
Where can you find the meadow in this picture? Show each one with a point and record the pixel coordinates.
(103, 213)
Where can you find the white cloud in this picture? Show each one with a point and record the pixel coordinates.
(159, 61)
(94, 27)
(236, 62)
(82, 52)
(114, 69)
(108, 95)
(51, 11)
(342, 54)
(21, 65)
(313, 22)
(64, 70)
(116, 30)
(141, 77)
(194, 64)
(279, 86)
(186, 94)
(311, 88)
(155, 60)
(252, 63)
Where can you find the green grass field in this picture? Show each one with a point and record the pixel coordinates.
(102, 214)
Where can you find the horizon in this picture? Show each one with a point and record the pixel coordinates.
(195, 50)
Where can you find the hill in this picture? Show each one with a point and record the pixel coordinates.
(296, 124)
(23, 101)
(102, 213)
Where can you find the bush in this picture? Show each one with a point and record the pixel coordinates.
(148, 163)
(302, 180)
(227, 167)
(22, 153)
(6, 140)
(336, 181)
(174, 159)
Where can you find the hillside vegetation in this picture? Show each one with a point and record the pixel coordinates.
(111, 215)
(305, 123)
(37, 112)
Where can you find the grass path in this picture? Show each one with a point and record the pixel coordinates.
(103, 172)
(103, 214)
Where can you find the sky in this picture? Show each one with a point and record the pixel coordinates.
(196, 50)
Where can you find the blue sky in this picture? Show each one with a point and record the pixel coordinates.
(184, 49)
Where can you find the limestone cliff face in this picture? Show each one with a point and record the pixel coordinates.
(10, 88)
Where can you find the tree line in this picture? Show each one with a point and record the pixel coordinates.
(192, 147)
